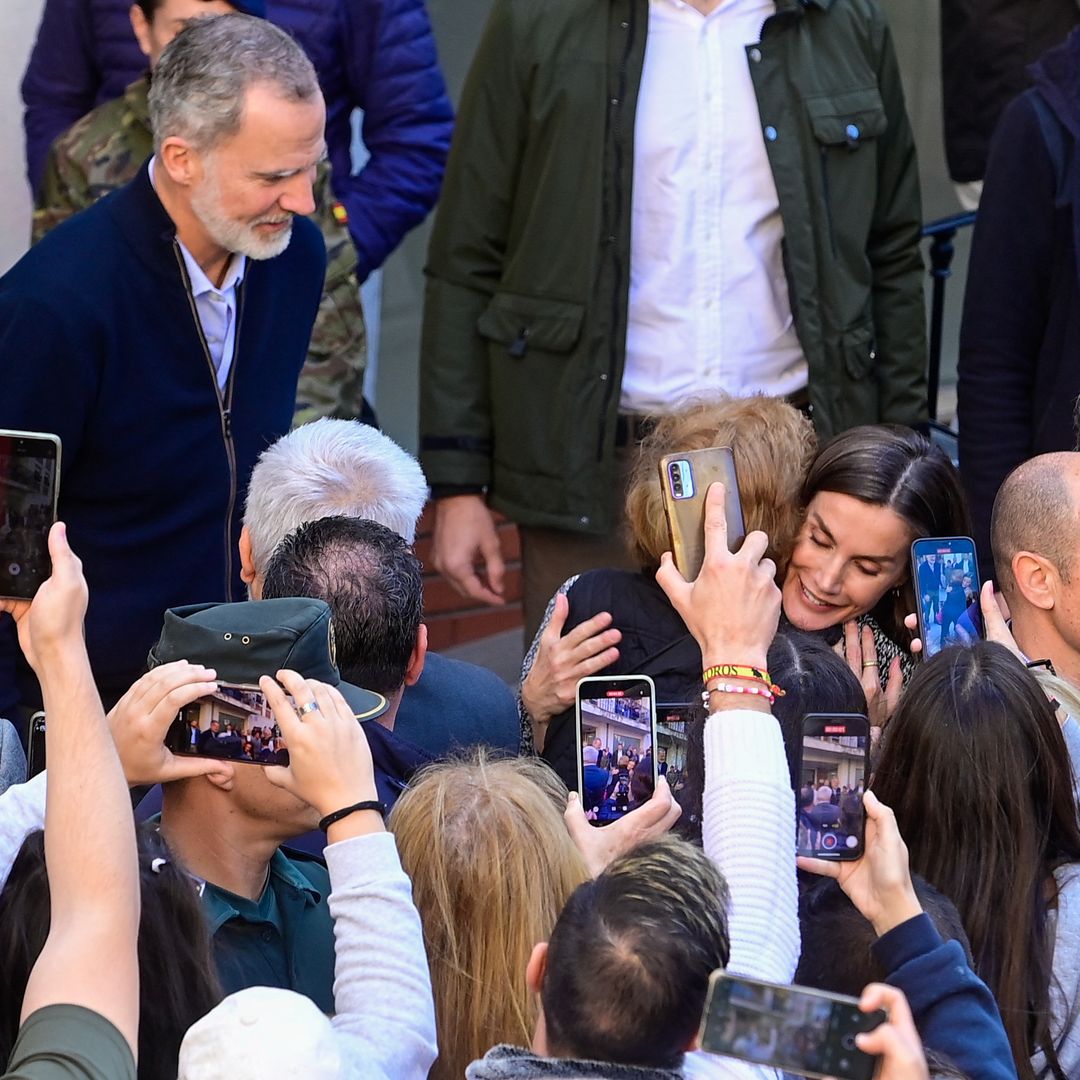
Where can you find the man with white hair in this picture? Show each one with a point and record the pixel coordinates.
(333, 468)
(161, 332)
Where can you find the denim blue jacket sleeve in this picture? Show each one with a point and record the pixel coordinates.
(954, 1011)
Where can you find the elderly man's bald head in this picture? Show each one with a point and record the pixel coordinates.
(1036, 510)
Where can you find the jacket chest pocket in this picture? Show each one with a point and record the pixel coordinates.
(845, 127)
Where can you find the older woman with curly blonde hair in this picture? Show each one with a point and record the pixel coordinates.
(619, 622)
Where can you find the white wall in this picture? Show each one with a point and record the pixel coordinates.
(18, 24)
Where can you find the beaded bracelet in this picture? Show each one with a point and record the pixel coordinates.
(728, 688)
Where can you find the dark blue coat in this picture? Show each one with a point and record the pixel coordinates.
(375, 55)
(99, 344)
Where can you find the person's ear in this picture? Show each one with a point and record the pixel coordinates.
(223, 776)
(181, 161)
(416, 660)
(537, 967)
(247, 562)
(1036, 579)
(141, 29)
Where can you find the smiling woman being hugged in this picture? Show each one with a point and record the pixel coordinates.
(868, 494)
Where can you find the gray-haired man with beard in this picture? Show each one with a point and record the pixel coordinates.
(160, 334)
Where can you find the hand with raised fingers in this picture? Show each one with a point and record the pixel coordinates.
(600, 846)
(733, 606)
(896, 1041)
(562, 659)
(141, 718)
(330, 764)
(879, 883)
(53, 620)
(858, 649)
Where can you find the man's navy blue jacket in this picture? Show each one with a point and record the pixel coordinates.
(100, 344)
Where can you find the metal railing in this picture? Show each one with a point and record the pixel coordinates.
(941, 235)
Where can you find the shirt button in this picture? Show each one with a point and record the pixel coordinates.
(755, 55)
(583, 520)
(267, 936)
(771, 133)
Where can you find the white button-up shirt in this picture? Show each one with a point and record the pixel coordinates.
(709, 305)
(216, 305)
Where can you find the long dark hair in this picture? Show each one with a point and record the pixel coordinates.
(177, 979)
(814, 679)
(975, 767)
(894, 467)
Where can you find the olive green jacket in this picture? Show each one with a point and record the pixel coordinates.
(528, 269)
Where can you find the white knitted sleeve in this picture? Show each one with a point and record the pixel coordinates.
(748, 829)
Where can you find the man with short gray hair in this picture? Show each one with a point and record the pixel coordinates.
(161, 332)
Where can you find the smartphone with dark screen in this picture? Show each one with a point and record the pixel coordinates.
(29, 480)
(35, 746)
(790, 1028)
(616, 739)
(235, 722)
(684, 483)
(834, 765)
(945, 577)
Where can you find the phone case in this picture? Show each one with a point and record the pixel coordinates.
(947, 545)
(686, 516)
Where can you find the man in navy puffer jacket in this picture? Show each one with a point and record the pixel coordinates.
(376, 55)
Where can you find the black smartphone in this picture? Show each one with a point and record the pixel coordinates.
(684, 483)
(945, 577)
(834, 765)
(616, 736)
(35, 746)
(29, 480)
(793, 1028)
(234, 722)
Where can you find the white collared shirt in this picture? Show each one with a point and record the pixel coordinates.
(709, 305)
(216, 304)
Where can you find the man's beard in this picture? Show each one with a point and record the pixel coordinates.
(237, 236)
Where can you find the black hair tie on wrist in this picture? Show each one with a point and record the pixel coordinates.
(337, 815)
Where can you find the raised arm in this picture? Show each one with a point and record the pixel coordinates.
(385, 1015)
(748, 825)
(90, 957)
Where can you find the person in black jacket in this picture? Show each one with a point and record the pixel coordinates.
(150, 334)
(1018, 375)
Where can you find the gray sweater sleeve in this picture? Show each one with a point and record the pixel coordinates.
(385, 1018)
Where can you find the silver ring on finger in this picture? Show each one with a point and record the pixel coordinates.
(307, 707)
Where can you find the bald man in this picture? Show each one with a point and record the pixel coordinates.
(1035, 535)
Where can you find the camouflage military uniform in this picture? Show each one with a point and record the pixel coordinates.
(104, 150)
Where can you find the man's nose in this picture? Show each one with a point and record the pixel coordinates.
(299, 196)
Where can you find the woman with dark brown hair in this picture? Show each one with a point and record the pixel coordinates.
(975, 768)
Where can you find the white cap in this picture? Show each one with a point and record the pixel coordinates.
(261, 1033)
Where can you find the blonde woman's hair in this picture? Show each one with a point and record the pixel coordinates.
(491, 865)
(1055, 687)
(773, 444)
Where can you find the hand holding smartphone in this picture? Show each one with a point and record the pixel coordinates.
(793, 1028)
(834, 765)
(684, 483)
(616, 739)
(945, 577)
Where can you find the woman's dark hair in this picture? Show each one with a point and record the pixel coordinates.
(895, 467)
(178, 982)
(975, 767)
(813, 678)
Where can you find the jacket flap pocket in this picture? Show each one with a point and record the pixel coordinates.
(848, 118)
(859, 354)
(532, 322)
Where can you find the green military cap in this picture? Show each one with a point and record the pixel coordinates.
(244, 641)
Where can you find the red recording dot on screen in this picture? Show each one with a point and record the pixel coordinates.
(615, 693)
(836, 729)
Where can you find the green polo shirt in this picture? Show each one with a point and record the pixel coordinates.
(283, 939)
(68, 1042)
